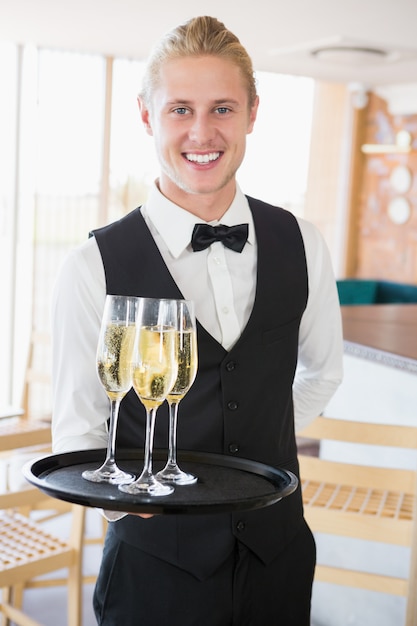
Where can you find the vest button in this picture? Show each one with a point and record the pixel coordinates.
(233, 405)
(240, 526)
(233, 448)
(230, 366)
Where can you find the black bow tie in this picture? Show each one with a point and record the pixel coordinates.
(233, 237)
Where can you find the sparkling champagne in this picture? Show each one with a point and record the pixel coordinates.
(155, 371)
(114, 359)
(186, 346)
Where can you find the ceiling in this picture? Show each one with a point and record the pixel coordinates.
(280, 35)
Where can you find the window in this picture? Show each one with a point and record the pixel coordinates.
(8, 118)
(276, 163)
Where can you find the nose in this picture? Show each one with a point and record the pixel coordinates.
(202, 129)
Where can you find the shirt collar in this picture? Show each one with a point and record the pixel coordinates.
(175, 225)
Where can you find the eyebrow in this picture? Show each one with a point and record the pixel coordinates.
(218, 101)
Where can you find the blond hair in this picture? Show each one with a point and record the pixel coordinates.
(200, 36)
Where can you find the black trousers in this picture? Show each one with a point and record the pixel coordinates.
(136, 589)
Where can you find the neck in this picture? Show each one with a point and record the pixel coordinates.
(207, 207)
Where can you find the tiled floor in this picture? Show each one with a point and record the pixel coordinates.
(48, 606)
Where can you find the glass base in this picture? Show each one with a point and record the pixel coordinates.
(147, 486)
(109, 476)
(174, 475)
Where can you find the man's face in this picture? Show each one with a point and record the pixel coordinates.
(199, 117)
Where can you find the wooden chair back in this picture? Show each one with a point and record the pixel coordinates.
(365, 502)
(37, 375)
(28, 428)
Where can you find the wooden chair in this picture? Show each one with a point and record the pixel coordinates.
(47, 508)
(27, 551)
(26, 429)
(371, 503)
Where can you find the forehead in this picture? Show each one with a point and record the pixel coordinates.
(200, 77)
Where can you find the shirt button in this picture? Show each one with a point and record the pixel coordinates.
(225, 310)
(233, 448)
(233, 405)
(230, 366)
(240, 526)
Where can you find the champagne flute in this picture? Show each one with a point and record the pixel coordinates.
(187, 370)
(114, 367)
(154, 373)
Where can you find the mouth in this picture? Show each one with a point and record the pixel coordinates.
(202, 159)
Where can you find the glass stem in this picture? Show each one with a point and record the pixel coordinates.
(150, 430)
(173, 419)
(111, 446)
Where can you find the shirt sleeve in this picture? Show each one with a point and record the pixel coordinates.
(320, 354)
(80, 404)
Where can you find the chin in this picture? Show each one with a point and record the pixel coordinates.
(205, 186)
(202, 183)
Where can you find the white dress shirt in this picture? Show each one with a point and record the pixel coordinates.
(222, 284)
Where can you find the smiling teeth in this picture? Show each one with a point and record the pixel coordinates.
(203, 158)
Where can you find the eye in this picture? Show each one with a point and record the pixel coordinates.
(223, 110)
(181, 110)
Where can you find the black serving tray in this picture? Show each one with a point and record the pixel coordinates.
(225, 484)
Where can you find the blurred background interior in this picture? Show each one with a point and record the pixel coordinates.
(335, 143)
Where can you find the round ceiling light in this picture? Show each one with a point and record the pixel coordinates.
(350, 55)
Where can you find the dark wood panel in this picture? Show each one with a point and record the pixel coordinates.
(388, 327)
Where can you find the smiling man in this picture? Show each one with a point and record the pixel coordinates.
(269, 341)
(199, 113)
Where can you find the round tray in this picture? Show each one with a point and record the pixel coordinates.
(225, 484)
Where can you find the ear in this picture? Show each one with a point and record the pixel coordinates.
(145, 115)
(252, 115)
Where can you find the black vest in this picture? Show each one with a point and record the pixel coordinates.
(241, 401)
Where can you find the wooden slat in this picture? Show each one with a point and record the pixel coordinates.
(364, 580)
(359, 475)
(361, 432)
(17, 616)
(367, 527)
(19, 432)
(35, 375)
(411, 613)
(29, 497)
